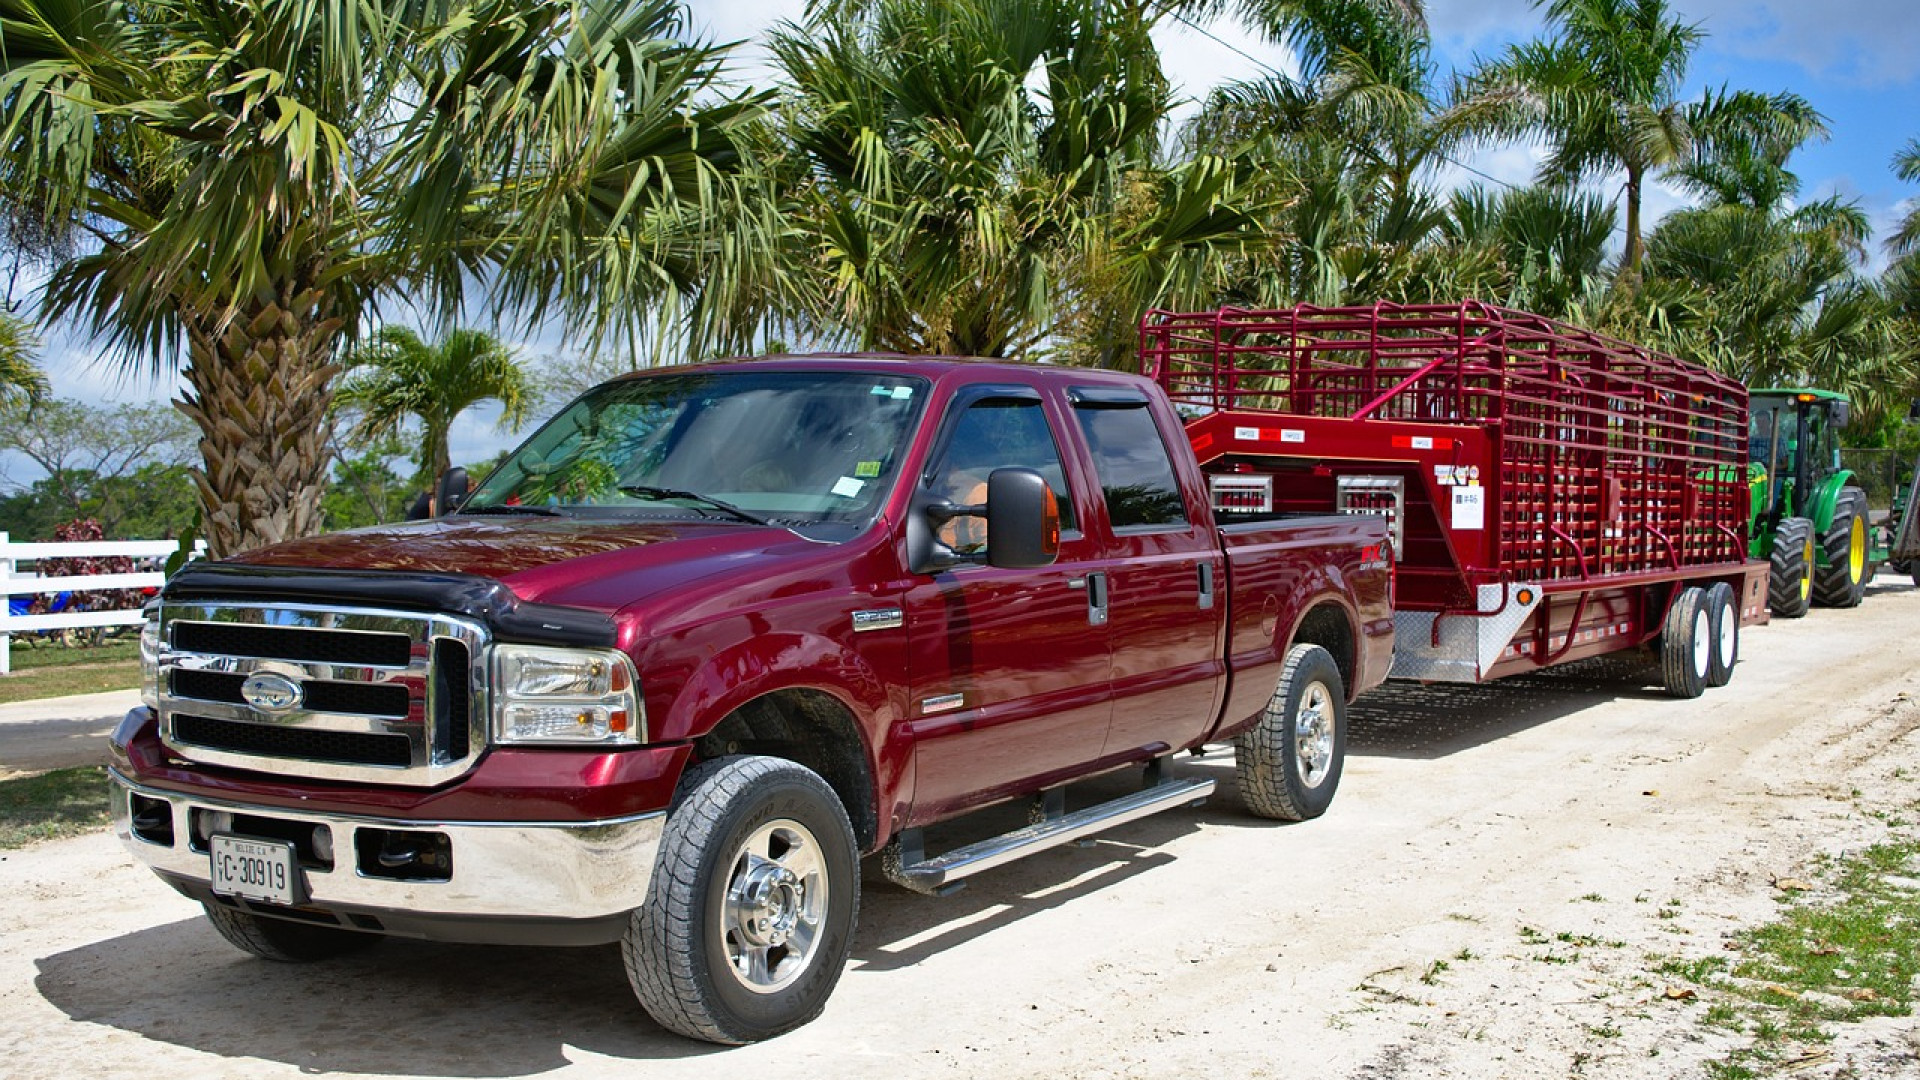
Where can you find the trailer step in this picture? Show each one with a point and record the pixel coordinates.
(906, 863)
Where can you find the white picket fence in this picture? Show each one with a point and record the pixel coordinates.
(14, 583)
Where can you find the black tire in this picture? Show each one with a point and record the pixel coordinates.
(284, 941)
(1723, 614)
(1790, 578)
(678, 945)
(1686, 644)
(1289, 761)
(1843, 580)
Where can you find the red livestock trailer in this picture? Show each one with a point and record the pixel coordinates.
(1552, 494)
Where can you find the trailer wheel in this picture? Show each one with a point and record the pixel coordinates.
(1289, 762)
(1790, 578)
(749, 916)
(1843, 581)
(1686, 644)
(1724, 618)
(283, 941)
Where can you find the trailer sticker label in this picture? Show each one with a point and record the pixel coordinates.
(1469, 507)
(1422, 442)
(1292, 435)
(1247, 434)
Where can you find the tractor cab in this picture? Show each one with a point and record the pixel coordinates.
(1810, 516)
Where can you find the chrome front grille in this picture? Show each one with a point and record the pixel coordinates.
(382, 696)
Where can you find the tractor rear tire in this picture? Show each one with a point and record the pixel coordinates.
(1790, 580)
(1843, 580)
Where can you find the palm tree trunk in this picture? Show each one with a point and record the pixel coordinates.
(1630, 261)
(259, 391)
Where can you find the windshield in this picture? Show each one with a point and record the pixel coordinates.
(788, 448)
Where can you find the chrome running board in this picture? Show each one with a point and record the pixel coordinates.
(906, 864)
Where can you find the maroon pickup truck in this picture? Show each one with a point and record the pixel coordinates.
(711, 635)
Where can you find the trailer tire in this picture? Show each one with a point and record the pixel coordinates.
(1790, 576)
(282, 940)
(1288, 763)
(1843, 581)
(1724, 617)
(749, 915)
(1686, 644)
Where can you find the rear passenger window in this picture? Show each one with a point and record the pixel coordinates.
(1131, 463)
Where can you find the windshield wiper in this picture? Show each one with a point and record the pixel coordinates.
(644, 491)
(506, 508)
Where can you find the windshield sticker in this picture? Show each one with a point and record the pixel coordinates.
(902, 393)
(867, 470)
(848, 487)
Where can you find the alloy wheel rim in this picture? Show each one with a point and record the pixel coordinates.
(775, 906)
(1313, 736)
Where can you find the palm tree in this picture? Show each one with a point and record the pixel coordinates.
(958, 172)
(1549, 243)
(1605, 90)
(232, 188)
(398, 376)
(21, 380)
(1905, 240)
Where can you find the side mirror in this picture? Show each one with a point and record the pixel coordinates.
(452, 490)
(1842, 412)
(1023, 520)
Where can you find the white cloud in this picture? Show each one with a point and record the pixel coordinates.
(1867, 42)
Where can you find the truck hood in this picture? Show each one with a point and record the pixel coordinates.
(582, 562)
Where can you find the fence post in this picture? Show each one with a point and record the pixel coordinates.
(6, 640)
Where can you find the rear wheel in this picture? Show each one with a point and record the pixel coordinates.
(1289, 762)
(1843, 580)
(1723, 614)
(749, 917)
(1686, 644)
(282, 940)
(1790, 578)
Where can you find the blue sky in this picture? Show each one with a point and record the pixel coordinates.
(1855, 60)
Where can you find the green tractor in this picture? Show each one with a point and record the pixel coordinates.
(1810, 515)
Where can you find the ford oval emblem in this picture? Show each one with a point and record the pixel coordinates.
(269, 692)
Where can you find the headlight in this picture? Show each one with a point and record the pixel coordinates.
(150, 660)
(547, 695)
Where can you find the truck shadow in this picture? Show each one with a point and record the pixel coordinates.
(411, 1008)
(1426, 721)
(406, 1008)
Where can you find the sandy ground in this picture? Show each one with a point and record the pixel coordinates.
(1549, 838)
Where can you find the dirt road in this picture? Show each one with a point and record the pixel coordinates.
(1489, 897)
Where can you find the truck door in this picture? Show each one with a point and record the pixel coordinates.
(1166, 576)
(1009, 668)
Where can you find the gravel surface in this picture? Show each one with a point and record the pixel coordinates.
(1490, 896)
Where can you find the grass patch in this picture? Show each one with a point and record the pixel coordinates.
(48, 670)
(64, 802)
(1839, 954)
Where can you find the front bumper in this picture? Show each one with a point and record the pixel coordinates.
(510, 882)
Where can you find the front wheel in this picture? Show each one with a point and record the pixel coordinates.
(1289, 762)
(282, 940)
(749, 916)
(1790, 574)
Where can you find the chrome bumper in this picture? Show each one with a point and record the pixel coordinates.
(506, 870)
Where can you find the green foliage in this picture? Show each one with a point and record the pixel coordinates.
(123, 465)
(365, 489)
(398, 377)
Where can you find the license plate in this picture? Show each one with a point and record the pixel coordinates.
(256, 869)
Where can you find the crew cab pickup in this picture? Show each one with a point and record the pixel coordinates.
(713, 634)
